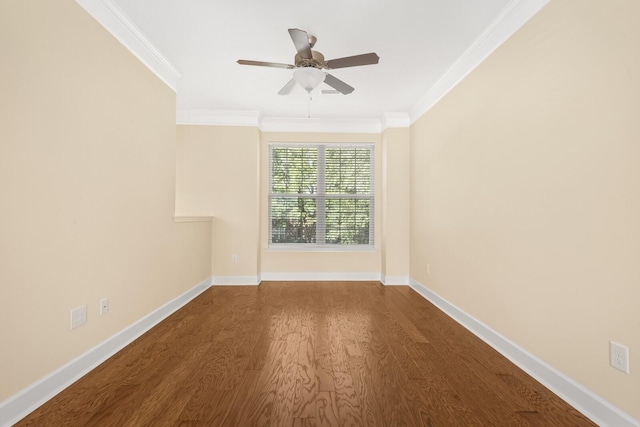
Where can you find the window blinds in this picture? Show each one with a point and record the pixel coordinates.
(321, 194)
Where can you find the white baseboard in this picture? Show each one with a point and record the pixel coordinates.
(29, 399)
(302, 276)
(236, 280)
(394, 280)
(591, 405)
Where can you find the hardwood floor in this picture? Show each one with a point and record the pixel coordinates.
(307, 354)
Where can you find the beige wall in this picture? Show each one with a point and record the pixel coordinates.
(277, 261)
(395, 204)
(218, 175)
(87, 169)
(525, 192)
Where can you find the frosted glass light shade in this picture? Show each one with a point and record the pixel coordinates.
(308, 77)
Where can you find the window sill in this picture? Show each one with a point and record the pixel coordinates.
(181, 218)
(320, 248)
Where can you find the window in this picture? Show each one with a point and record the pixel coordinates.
(321, 196)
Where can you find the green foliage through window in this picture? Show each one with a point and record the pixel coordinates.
(321, 194)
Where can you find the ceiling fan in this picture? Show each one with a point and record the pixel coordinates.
(310, 63)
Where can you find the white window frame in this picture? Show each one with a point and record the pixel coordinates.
(320, 197)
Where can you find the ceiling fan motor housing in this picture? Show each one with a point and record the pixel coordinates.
(316, 60)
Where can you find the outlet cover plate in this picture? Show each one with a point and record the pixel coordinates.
(104, 306)
(78, 317)
(619, 356)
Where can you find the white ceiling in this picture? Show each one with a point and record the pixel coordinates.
(425, 47)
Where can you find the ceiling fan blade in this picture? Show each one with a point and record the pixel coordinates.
(266, 64)
(330, 92)
(287, 88)
(338, 85)
(353, 61)
(301, 42)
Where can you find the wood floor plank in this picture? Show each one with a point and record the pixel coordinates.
(283, 406)
(260, 351)
(347, 401)
(306, 379)
(262, 392)
(336, 344)
(400, 346)
(322, 362)
(474, 391)
(547, 406)
(307, 354)
(369, 394)
(245, 406)
(171, 392)
(392, 382)
(326, 411)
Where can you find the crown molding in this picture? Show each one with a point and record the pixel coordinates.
(218, 118)
(278, 124)
(116, 22)
(395, 120)
(510, 19)
(333, 125)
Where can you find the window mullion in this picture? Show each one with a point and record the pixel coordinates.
(321, 198)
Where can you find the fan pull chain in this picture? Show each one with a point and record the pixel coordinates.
(309, 109)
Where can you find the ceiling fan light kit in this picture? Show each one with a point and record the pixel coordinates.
(310, 63)
(309, 78)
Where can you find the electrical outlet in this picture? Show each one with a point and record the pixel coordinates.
(619, 356)
(78, 317)
(104, 306)
(234, 259)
